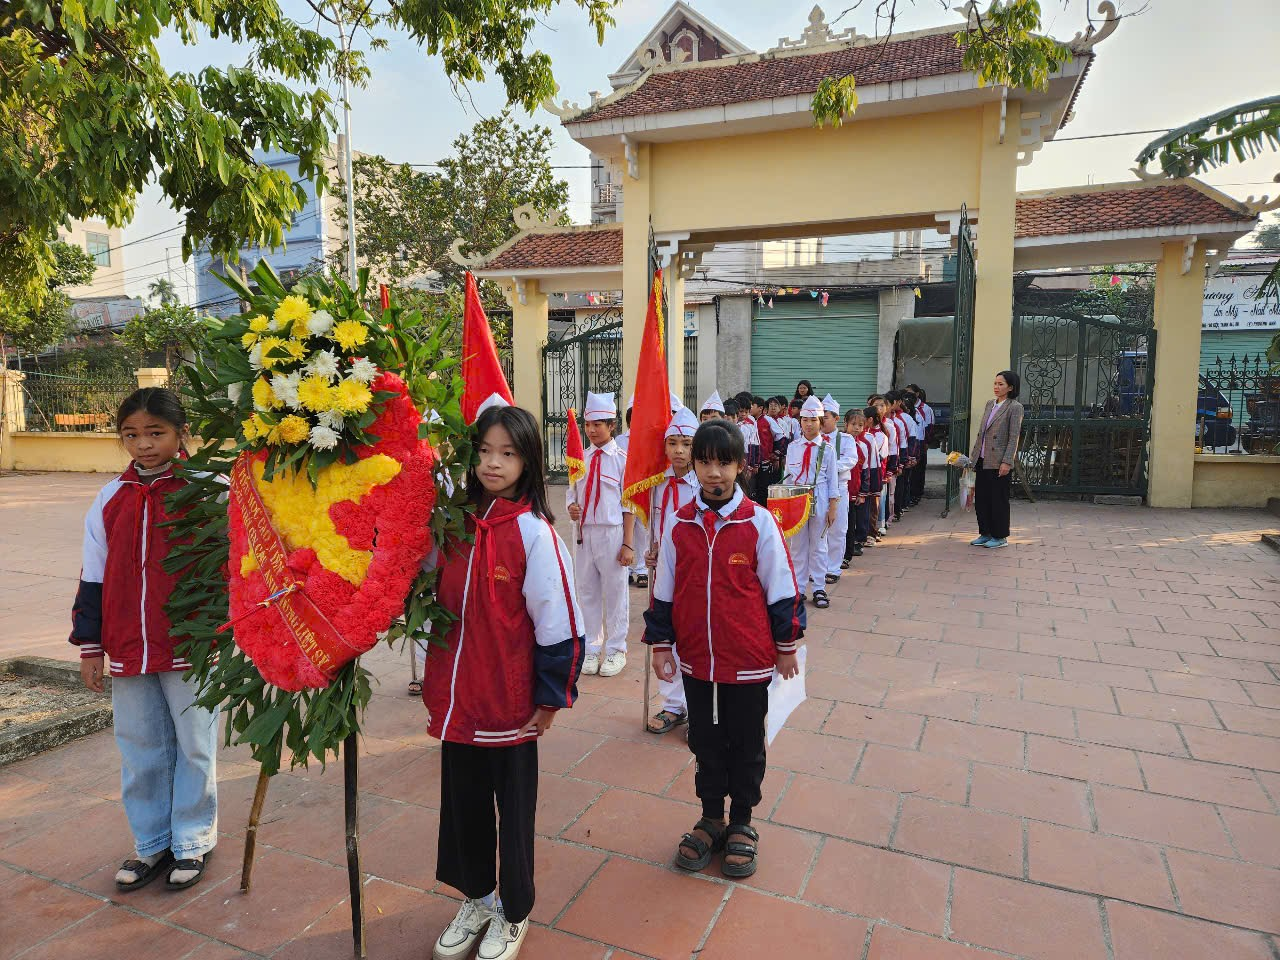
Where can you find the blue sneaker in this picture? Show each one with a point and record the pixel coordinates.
(980, 542)
(994, 544)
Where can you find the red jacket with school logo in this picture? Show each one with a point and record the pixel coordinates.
(518, 641)
(725, 595)
(119, 607)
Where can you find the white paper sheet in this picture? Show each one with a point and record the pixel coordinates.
(784, 697)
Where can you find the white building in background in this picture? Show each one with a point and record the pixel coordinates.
(103, 243)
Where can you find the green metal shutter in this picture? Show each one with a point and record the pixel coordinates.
(835, 347)
(1225, 343)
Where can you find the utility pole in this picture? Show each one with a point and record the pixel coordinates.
(346, 150)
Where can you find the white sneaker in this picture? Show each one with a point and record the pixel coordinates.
(503, 940)
(463, 930)
(613, 664)
(591, 664)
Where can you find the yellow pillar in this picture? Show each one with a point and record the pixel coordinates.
(151, 377)
(993, 291)
(1179, 294)
(675, 328)
(12, 413)
(528, 334)
(635, 265)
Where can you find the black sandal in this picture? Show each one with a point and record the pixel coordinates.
(820, 599)
(716, 831)
(642, 580)
(196, 865)
(833, 578)
(415, 688)
(668, 721)
(844, 564)
(738, 849)
(143, 872)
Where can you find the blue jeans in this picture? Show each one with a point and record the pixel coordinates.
(169, 749)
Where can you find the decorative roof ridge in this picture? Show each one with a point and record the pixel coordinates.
(1194, 183)
(541, 228)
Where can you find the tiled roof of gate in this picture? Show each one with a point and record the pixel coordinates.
(1122, 208)
(571, 248)
(665, 91)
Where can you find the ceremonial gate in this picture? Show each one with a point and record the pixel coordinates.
(586, 357)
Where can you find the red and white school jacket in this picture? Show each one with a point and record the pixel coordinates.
(518, 642)
(725, 596)
(119, 608)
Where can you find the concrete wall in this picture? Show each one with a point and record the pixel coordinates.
(1234, 481)
(108, 279)
(733, 347)
(896, 305)
(708, 352)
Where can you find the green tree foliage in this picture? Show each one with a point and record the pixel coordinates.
(88, 113)
(32, 324)
(407, 219)
(171, 328)
(162, 290)
(1268, 237)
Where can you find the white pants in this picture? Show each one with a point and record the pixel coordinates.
(673, 690)
(838, 534)
(641, 534)
(808, 553)
(602, 588)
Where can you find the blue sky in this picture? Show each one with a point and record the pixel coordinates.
(1177, 60)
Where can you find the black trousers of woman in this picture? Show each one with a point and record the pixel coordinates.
(991, 502)
(472, 840)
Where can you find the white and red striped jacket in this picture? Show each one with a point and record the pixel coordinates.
(119, 607)
(518, 642)
(726, 600)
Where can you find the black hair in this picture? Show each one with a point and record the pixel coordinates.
(731, 408)
(874, 397)
(908, 401)
(795, 402)
(851, 413)
(159, 402)
(527, 439)
(804, 383)
(1013, 380)
(919, 390)
(718, 440)
(757, 401)
(871, 413)
(629, 409)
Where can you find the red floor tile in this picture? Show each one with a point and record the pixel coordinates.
(35, 909)
(1068, 693)
(561, 800)
(1141, 934)
(1093, 863)
(1211, 782)
(1041, 718)
(912, 772)
(635, 824)
(561, 870)
(1132, 732)
(1227, 891)
(975, 838)
(854, 722)
(1160, 819)
(968, 742)
(1242, 749)
(1033, 795)
(1162, 706)
(115, 932)
(857, 813)
(890, 943)
(881, 884)
(756, 925)
(636, 766)
(1256, 835)
(1084, 761)
(1025, 919)
(819, 755)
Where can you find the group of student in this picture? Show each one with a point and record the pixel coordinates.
(726, 611)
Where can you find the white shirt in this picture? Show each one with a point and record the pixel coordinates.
(750, 435)
(606, 510)
(821, 472)
(845, 452)
(681, 493)
(927, 412)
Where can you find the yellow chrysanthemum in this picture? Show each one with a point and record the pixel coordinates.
(292, 309)
(297, 349)
(350, 334)
(272, 348)
(264, 398)
(353, 397)
(254, 427)
(317, 394)
(301, 514)
(259, 324)
(248, 340)
(293, 429)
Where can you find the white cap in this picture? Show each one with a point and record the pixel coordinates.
(600, 406)
(493, 400)
(683, 424)
(632, 402)
(676, 403)
(811, 408)
(714, 402)
(829, 404)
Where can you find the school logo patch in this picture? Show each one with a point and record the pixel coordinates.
(501, 573)
(777, 514)
(740, 558)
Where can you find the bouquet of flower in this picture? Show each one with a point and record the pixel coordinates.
(957, 459)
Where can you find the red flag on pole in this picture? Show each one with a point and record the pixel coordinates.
(574, 457)
(646, 456)
(482, 376)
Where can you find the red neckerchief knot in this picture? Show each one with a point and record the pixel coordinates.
(591, 494)
(484, 543)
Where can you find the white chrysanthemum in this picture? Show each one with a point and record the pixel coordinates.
(255, 356)
(319, 323)
(331, 419)
(234, 391)
(285, 387)
(322, 438)
(323, 364)
(363, 370)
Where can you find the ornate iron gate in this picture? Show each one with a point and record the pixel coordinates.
(1087, 361)
(586, 357)
(961, 356)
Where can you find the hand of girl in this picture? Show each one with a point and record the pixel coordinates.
(626, 555)
(664, 665)
(651, 557)
(787, 665)
(540, 722)
(91, 673)
(832, 510)
(575, 512)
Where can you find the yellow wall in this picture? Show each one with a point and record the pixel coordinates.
(82, 452)
(1234, 481)
(865, 169)
(528, 334)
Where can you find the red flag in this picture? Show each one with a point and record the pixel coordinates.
(482, 375)
(646, 455)
(384, 297)
(573, 452)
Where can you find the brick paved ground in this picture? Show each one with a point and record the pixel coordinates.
(1068, 749)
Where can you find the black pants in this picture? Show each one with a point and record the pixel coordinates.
(730, 753)
(902, 491)
(991, 502)
(472, 842)
(918, 478)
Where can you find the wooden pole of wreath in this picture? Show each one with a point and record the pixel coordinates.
(251, 834)
(355, 878)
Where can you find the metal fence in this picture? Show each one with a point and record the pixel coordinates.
(53, 403)
(1238, 406)
(691, 371)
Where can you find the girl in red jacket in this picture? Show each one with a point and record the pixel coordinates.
(507, 664)
(725, 598)
(167, 744)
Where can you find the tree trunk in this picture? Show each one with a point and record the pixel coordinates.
(355, 879)
(251, 834)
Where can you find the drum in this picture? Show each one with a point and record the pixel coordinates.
(790, 504)
(783, 491)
